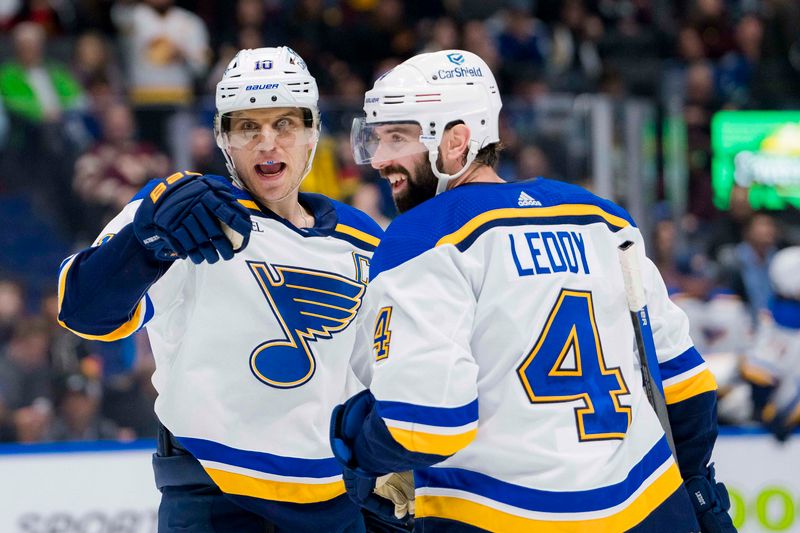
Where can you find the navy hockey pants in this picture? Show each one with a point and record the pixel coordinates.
(192, 503)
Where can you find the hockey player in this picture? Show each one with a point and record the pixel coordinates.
(252, 352)
(773, 365)
(497, 343)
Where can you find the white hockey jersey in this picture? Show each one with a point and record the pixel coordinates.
(496, 329)
(252, 354)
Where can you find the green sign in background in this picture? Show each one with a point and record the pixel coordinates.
(733, 132)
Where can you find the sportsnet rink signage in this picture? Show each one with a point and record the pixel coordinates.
(107, 487)
(759, 151)
(761, 476)
(82, 487)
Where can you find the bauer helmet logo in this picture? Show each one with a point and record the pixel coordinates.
(456, 58)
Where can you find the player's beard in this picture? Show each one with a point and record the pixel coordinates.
(420, 187)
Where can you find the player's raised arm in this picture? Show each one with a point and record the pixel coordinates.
(103, 289)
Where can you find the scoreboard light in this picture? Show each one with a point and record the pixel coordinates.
(760, 151)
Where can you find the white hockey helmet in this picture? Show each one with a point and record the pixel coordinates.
(783, 272)
(263, 78)
(432, 90)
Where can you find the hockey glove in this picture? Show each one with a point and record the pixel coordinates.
(186, 215)
(346, 422)
(399, 488)
(711, 503)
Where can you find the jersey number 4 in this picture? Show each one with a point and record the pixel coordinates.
(567, 365)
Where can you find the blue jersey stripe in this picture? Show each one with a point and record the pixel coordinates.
(149, 310)
(206, 450)
(431, 416)
(678, 365)
(462, 215)
(578, 220)
(785, 311)
(542, 500)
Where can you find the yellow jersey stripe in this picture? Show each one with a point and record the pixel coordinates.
(358, 234)
(280, 491)
(249, 204)
(530, 212)
(491, 519)
(697, 384)
(417, 441)
(120, 333)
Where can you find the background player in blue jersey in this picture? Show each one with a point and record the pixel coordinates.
(496, 338)
(252, 352)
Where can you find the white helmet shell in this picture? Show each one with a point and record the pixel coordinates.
(434, 90)
(783, 272)
(265, 78)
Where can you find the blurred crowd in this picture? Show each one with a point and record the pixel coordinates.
(99, 96)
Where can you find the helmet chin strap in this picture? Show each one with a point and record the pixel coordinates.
(444, 179)
(311, 152)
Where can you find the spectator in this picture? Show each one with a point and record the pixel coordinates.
(700, 105)
(93, 61)
(727, 230)
(78, 413)
(33, 89)
(40, 97)
(67, 352)
(444, 36)
(129, 397)
(52, 17)
(12, 308)
(737, 68)
(574, 59)
(747, 265)
(166, 50)
(523, 41)
(110, 173)
(777, 84)
(478, 41)
(710, 19)
(26, 380)
(95, 68)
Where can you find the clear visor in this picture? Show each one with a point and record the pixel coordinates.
(256, 131)
(385, 141)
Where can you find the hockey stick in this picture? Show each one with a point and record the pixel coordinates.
(645, 345)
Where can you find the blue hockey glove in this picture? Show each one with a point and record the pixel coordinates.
(346, 422)
(711, 503)
(181, 218)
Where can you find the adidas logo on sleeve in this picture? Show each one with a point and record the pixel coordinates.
(526, 200)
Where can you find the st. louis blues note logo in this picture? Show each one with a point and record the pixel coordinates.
(309, 305)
